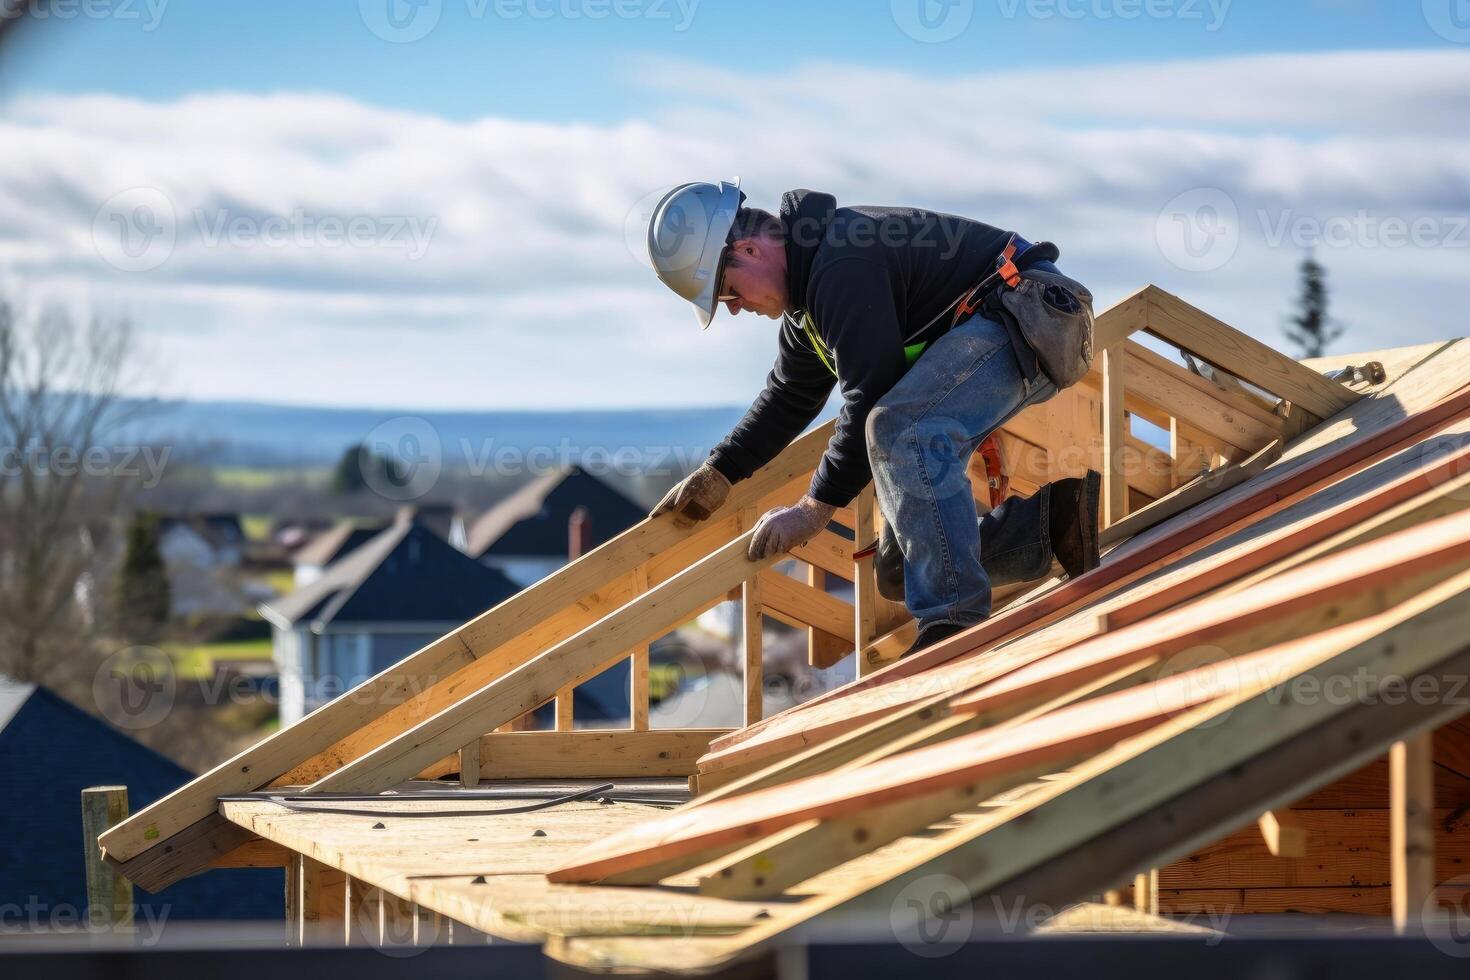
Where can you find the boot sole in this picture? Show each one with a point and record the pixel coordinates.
(1087, 502)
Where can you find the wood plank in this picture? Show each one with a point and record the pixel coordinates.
(777, 863)
(324, 728)
(574, 660)
(1376, 574)
(798, 732)
(254, 853)
(1052, 739)
(808, 606)
(1198, 490)
(109, 894)
(1116, 469)
(1411, 829)
(829, 552)
(1158, 796)
(1347, 848)
(1277, 489)
(1212, 340)
(1284, 833)
(594, 753)
(752, 647)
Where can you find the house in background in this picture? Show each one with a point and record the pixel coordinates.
(527, 535)
(398, 591)
(313, 558)
(203, 552)
(50, 751)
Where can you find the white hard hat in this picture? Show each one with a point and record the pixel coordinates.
(687, 237)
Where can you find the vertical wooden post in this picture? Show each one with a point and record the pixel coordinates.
(564, 708)
(1146, 891)
(864, 579)
(314, 898)
(469, 765)
(358, 913)
(638, 668)
(109, 894)
(752, 622)
(1411, 828)
(1115, 439)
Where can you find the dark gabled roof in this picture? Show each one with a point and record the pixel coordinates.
(533, 520)
(405, 574)
(50, 751)
(337, 543)
(218, 529)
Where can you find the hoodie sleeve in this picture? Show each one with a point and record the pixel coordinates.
(855, 311)
(796, 390)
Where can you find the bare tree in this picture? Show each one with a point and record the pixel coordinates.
(59, 478)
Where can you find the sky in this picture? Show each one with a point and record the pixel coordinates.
(440, 203)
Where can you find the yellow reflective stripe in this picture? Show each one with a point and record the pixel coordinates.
(817, 345)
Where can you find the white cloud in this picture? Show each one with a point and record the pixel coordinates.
(498, 268)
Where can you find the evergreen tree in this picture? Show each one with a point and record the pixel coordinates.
(360, 467)
(1312, 330)
(142, 589)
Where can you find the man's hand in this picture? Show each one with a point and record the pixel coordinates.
(695, 497)
(784, 528)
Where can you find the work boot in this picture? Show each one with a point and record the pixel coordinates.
(888, 566)
(932, 634)
(1073, 523)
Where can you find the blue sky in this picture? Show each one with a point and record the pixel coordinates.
(530, 62)
(194, 166)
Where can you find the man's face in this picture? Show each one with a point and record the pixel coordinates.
(755, 278)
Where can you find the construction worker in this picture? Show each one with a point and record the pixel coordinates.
(896, 307)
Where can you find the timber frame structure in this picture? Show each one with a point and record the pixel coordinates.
(1171, 720)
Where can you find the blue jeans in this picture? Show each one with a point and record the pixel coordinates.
(920, 436)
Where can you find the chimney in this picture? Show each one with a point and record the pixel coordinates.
(579, 534)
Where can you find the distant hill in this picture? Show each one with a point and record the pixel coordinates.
(270, 435)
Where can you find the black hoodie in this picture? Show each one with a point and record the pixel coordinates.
(873, 281)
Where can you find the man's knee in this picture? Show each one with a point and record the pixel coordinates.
(885, 429)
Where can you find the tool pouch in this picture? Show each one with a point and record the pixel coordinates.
(1053, 314)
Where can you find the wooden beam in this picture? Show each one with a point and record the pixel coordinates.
(808, 606)
(1278, 489)
(523, 619)
(469, 764)
(829, 552)
(109, 894)
(863, 617)
(1313, 596)
(752, 647)
(1051, 740)
(1146, 891)
(774, 864)
(1113, 325)
(573, 660)
(1198, 490)
(1130, 806)
(594, 753)
(1284, 833)
(1212, 340)
(1115, 434)
(1411, 829)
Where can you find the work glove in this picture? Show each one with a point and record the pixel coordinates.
(784, 528)
(695, 497)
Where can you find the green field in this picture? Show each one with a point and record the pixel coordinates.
(197, 662)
